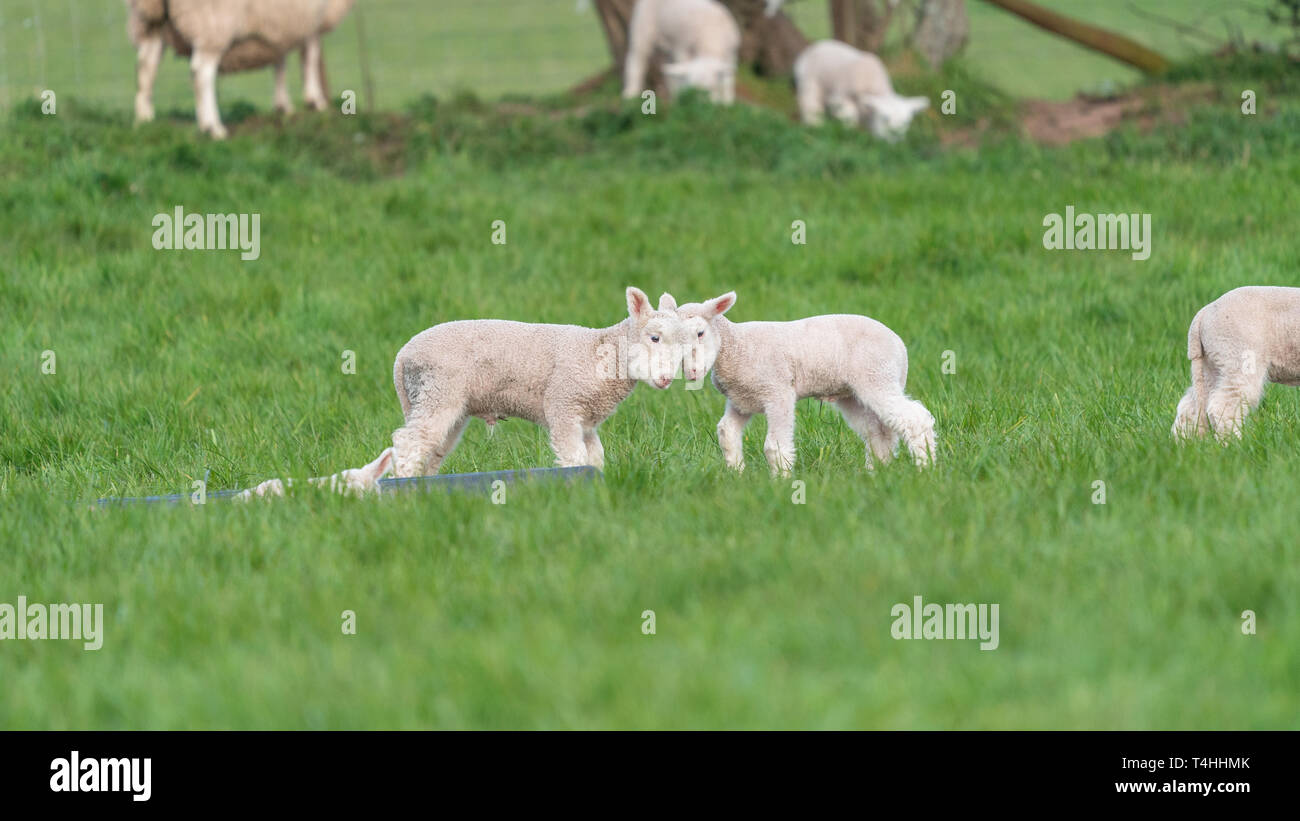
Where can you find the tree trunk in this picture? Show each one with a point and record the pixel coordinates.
(942, 29)
(861, 23)
(1097, 39)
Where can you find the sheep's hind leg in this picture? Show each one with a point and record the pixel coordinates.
(731, 436)
(420, 446)
(880, 441)
(283, 102)
(1228, 406)
(147, 56)
(203, 71)
(313, 80)
(907, 419)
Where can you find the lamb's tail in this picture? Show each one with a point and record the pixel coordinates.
(1190, 419)
(1196, 354)
(399, 384)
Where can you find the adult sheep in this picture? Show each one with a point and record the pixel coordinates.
(230, 35)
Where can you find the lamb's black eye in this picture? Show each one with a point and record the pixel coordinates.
(700, 335)
(654, 338)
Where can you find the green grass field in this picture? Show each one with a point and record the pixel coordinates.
(175, 365)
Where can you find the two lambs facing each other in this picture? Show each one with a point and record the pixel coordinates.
(569, 379)
(701, 42)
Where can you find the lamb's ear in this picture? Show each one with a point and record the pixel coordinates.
(377, 469)
(666, 302)
(674, 70)
(719, 305)
(638, 304)
(917, 103)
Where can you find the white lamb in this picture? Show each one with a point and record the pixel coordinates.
(854, 86)
(1238, 343)
(354, 481)
(566, 378)
(700, 39)
(853, 362)
(230, 35)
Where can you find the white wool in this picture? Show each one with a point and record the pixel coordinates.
(566, 378)
(230, 35)
(852, 362)
(354, 481)
(854, 87)
(1237, 344)
(716, 76)
(683, 31)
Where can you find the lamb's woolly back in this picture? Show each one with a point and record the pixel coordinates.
(566, 378)
(852, 361)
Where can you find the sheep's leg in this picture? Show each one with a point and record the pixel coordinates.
(420, 446)
(203, 70)
(567, 442)
(731, 436)
(147, 56)
(313, 86)
(595, 450)
(880, 441)
(283, 102)
(1188, 420)
(640, 47)
(907, 419)
(811, 105)
(779, 445)
(1229, 405)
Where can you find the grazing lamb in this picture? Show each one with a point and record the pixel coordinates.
(854, 86)
(566, 378)
(851, 361)
(354, 481)
(230, 35)
(699, 37)
(1239, 342)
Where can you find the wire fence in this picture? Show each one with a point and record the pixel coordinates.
(495, 48)
(492, 48)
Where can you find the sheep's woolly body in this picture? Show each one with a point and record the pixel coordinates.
(700, 39)
(566, 378)
(1237, 344)
(854, 86)
(853, 362)
(230, 35)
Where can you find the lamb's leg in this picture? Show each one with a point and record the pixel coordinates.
(203, 70)
(595, 450)
(283, 102)
(147, 56)
(880, 441)
(420, 446)
(567, 442)
(1230, 403)
(313, 85)
(811, 105)
(731, 436)
(779, 445)
(906, 418)
(1188, 420)
(640, 47)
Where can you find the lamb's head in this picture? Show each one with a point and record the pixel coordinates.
(653, 339)
(716, 76)
(359, 481)
(701, 333)
(889, 116)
